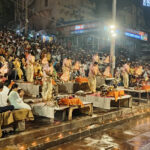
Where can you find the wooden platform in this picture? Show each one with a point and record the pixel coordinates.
(138, 94)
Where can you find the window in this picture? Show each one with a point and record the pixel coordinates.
(46, 3)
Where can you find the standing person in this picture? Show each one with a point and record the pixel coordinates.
(23, 68)
(44, 60)
(93, 72)
(47, 87)
(126, 69)
(12, 73)
(76, 68)
(67, 64)
(30, 67)
(18, 68)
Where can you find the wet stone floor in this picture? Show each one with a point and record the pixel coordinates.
(131, 135)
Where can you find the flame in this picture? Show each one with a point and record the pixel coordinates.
(47, 139)
(34, 144)
(22, 148)
(60, 136)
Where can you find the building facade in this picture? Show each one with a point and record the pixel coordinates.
(46, 14)
(130, 14)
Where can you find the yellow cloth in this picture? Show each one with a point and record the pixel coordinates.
(92, 83)
(22, 114)
(18, 69)
(6, 118)
(116, 94)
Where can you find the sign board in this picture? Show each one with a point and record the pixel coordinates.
(146, 3)
(141, 35)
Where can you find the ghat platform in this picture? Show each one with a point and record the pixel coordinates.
(41, 134)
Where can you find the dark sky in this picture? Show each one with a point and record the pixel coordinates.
(122, 3)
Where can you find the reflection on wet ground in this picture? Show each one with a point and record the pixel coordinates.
(132, 135)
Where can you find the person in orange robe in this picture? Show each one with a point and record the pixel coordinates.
(67, 64)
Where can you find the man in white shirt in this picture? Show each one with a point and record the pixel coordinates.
(4, 90)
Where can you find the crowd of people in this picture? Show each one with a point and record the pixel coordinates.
(46, 63)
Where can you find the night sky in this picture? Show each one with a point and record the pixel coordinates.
(123, 3)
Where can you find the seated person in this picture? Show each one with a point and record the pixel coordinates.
(4, 90)
(15, 98)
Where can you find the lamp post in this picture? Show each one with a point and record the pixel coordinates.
(113, 40)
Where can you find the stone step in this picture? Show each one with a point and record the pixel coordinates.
(55, 134)
(49, 141)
